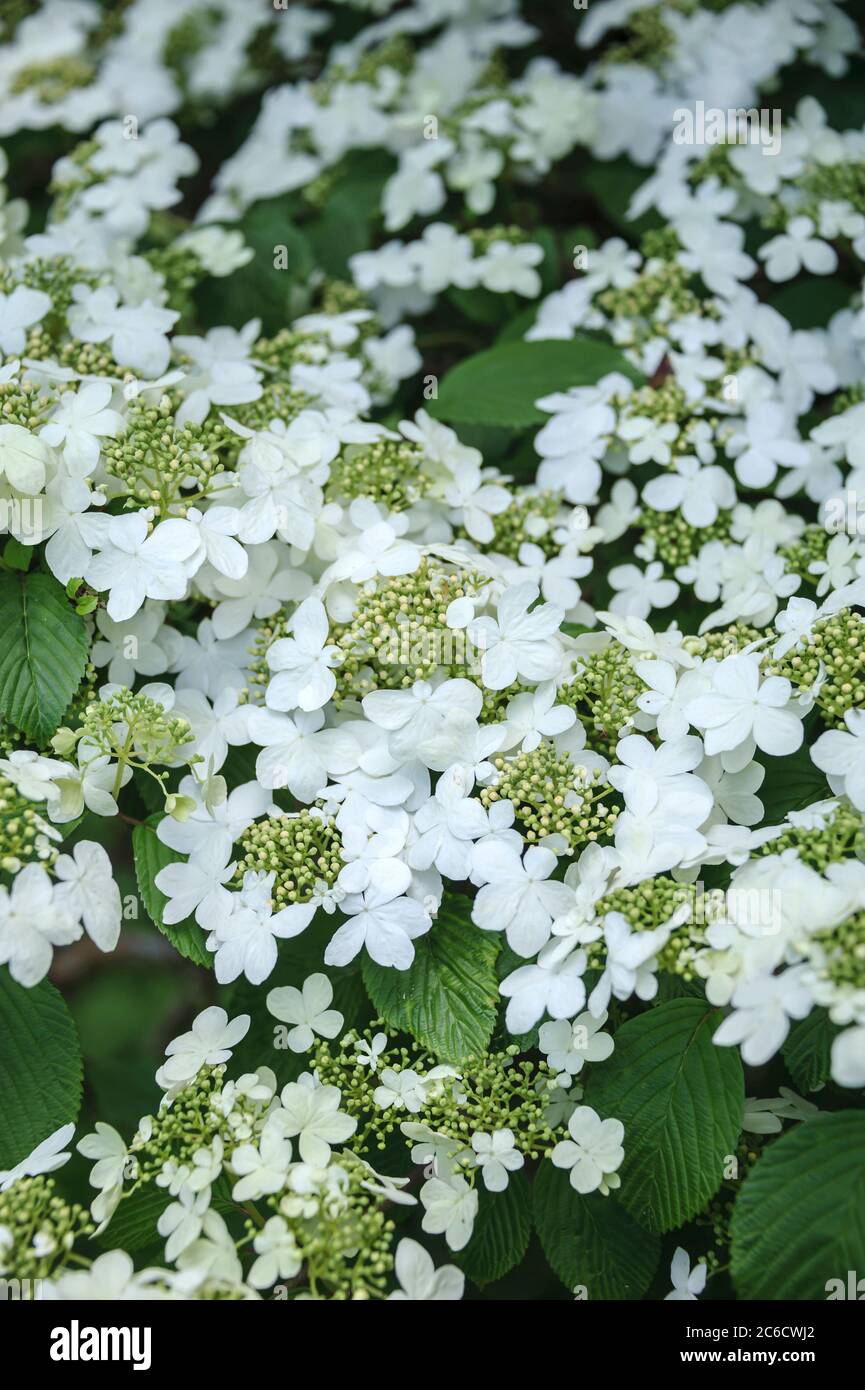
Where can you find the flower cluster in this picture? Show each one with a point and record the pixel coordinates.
(441, 579)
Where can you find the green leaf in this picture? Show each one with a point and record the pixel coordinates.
(680, 1099)
(791, 784)
(261, 288)
(40, 1067)
(800, 1218)
(151, 855)
(811, 303)
(43, 654)
(500, 386)
(447, 998)
(501, 1234)
(133, 1225)
(808, 1049)
(613, 184)
(592, 1241)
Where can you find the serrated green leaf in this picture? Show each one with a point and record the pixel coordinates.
(592, 1241)
(799, 1220)
(43, 654)
(151, 855)
(808, 1049)
(500, 386)
(680, 1099)
(448, 997)
(501, 1232)
(40, 1067)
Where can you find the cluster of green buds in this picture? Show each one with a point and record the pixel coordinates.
(551, 795)
(22, 403)
(303, 849)
(38, 1228)
(399, 633)
(531, 517)
(649, 905)
(838, 955)
(722, 641)
(25, 835)
(136, 732)
(831, 660)
(648, 39)
(396, 53)
(387, 470)
(54, 78)
(495, 1090)
(48, 338)
(674, 540)
(658, 294)
(839, 835)
(604, 693)
(809, 547)
(163, 465)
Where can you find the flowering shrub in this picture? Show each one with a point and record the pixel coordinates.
(432, 686)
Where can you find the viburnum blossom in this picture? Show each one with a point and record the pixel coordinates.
(432, 687)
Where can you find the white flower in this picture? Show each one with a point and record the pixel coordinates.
(569, 1045)
(450, 1207)
(651, 440)
(630, 963)
(507, 266)
(699, 493)
(88, 889)
(23, 458)
(135, 566)
(19, 311)
(245, 929)
(518, 642)
(137, 332)
(841, 755)
(766, 442)
(299, 753)
(848, 1057)
(109, 1150)
(383, 921)
(516, 898)
(209, 1042)
(314, 1116)
(33, 919)
(593, 1153)
(262, 1169)
(743, 710)
(110, 1278)
(308, 1008)
(303, 662)
(446, 826)
(420, 1281)
(687, 1283)
(785, 255)
(81, 419)
(401, 1089)
(496, 1155)
(368, 1053)
(196, 886)
(278, 1254)
(554, 986)
(430, 723)
(45, 1158)
(763, 1009)
(638, 592)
